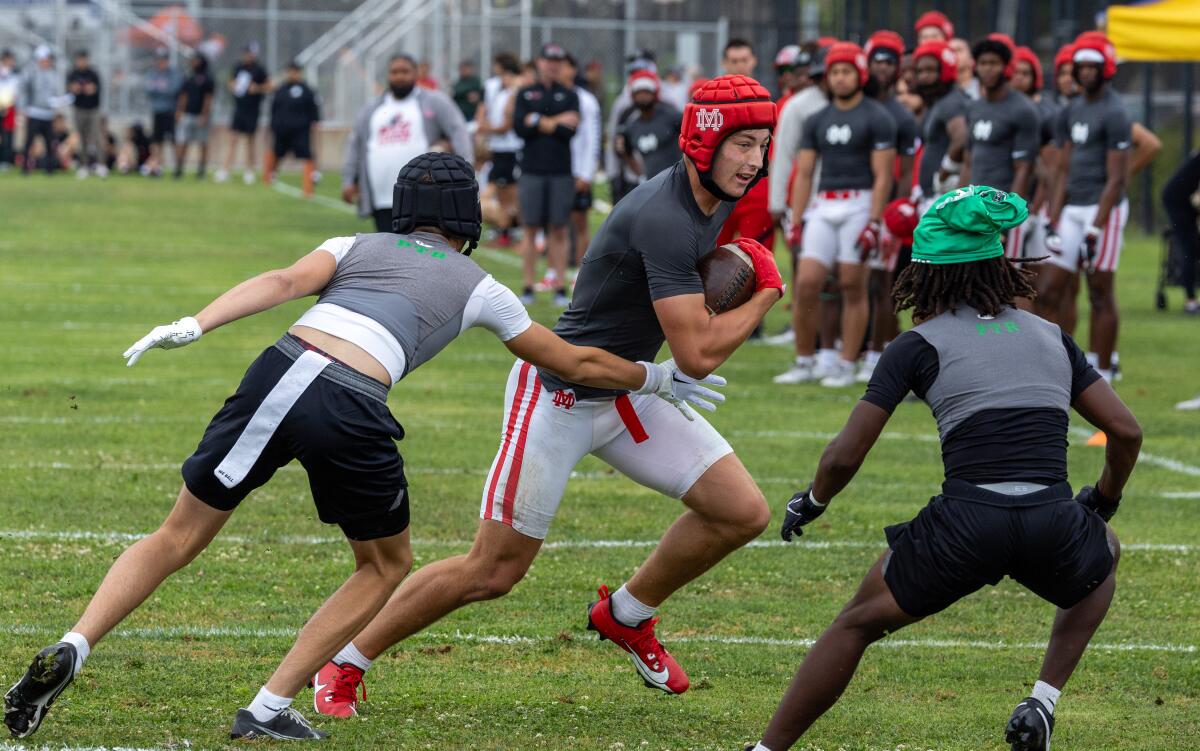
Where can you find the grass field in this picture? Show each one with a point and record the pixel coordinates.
(90, 457)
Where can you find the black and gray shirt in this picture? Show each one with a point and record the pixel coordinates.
(648, 249)
(936, 137)
(1094, 128)
(1000, 389)
(906, 126)
(845, 140)
(655, 138)
(1000, 134)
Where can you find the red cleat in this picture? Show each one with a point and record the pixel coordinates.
(335, 690)
(654, 663)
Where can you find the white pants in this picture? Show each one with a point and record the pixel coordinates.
(833, 226)
(1072, 228)
(1014, 245)
(546, 433)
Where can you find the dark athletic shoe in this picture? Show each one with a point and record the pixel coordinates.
(288, 725)
(1030, 726)
(27, 701)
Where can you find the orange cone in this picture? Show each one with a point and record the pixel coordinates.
(1098, 439)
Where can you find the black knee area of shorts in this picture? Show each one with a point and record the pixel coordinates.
(956, 545)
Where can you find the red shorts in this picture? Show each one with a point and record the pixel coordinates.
(750, 218)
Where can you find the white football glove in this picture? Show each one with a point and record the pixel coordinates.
(184, 331)
(668, 382)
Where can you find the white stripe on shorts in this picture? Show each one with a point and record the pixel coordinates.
(250, 444)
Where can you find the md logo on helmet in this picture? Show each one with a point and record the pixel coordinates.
(709, 119)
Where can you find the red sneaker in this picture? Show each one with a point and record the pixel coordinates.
(653, 662)
(335, 690)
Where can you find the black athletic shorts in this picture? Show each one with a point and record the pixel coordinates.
(504, 168)
(164, 127)
(244, 121)
(295, 141)
(295, 402)
(968, 537)
(583, 200)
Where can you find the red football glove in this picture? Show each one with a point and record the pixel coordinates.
(796, 235)
(868, 240)
(766, 273)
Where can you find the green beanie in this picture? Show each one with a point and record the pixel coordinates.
(965, 225)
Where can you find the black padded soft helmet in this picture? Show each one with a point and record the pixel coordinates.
(438, 190)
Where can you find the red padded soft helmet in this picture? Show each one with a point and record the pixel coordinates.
(1026, 55)
(848, 52)
(945, 56)
(1091, 44)
(938, 20)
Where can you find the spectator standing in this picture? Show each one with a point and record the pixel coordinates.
(295, 112)
(585, 157)
(249, 84)
(41, 93)
(193, 110)
(162, 86)
(546, 117)
(468, 90)
(648, 138)
(10, 89)
(494, 122)
(398, 125)
(83, 84)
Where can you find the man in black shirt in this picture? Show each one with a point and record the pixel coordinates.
(546, 116)
(249, 85)
(295, 112)
(1000, 382)
(192, 114)
(84, 85)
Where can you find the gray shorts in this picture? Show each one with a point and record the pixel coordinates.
(190, 130)
(546, 200)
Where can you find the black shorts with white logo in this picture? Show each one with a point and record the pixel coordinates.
(504, 168)
(969, 537)
(296, 141)
(295, 402)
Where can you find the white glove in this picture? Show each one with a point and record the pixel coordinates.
(941, 186)
(670, 383)
(184, 331)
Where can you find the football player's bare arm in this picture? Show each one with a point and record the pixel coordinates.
(1100, 406)
(588, 366)
(305, 277)
(846, 452)
(806, 164)
(700, 342)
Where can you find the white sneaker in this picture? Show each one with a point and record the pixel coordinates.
(842, 375)
(316, 177)
(782, 339)
(865, 371)
(221, 176)
(100, 171)
(81, 173)
(1190, 404)
(800, 372)
(248, 177)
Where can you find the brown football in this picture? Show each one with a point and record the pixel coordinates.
(728, 276)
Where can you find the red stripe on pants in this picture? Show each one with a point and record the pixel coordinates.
(522, 377)
(629, 416)
(514, 471)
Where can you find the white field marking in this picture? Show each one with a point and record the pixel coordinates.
(1146, 457)
(1181, 494)
(820, 436)
(6, 746)
(103, 536)
(216, 632)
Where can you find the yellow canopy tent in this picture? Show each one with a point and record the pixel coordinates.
(1159, 30)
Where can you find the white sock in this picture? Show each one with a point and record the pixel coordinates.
(760, 747)
(1105, 373)
(804, 361)
(267, 706)
(627, 610)
(1092, 358)
(350, 654)
(1046, 694)
(82, 648)
(827, 357)
(872, 357)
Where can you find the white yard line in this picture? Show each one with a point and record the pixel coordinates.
(1148, 458)
(219, 632)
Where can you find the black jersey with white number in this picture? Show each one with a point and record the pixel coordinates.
(845, 140)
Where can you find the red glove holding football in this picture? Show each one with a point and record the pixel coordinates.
(868, 239)
(766, 273)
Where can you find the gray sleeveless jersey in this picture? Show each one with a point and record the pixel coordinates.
(416, 286)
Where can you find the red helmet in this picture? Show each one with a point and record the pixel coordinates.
(1007, 41)
(643, 80)
(718, 108)
(1026, 55)
(1091, 44)
(848, 52)
(945, 57)
(885, 39)
(938, 20)
(1064, 56)
(826, 42)
(901, 217)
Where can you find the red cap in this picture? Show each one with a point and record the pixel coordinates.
(885, 39)
(848, 52)
(1096, 41)
(1064, 56)
(643, 80)
(718, 108)
(938, 20)
(945, 56)
(901, 217)
(1026, 55)
(1007, 41)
